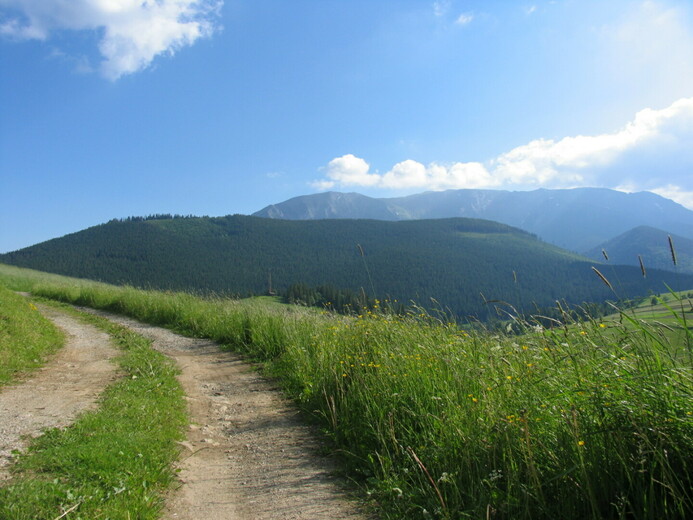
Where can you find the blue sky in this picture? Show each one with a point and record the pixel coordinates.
(113, 108)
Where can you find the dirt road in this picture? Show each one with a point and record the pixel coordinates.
(63, 388)
(247, 454)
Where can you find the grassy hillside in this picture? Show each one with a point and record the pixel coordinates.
(458, 262)
(587, 419)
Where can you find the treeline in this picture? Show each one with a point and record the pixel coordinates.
(343, 301)
(154, 216)
(327, 296)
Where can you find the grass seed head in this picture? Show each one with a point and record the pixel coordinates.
(603, 278)
(642, 267)
(671, 248)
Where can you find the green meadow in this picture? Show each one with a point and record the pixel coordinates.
(433, 419)
(26, 337)
(675, 310)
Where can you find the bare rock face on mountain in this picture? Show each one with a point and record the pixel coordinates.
(577, 219)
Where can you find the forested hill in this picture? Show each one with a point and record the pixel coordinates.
(452, 260)
(652, 246)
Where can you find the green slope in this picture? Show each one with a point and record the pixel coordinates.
(652, 245)
(451, 260)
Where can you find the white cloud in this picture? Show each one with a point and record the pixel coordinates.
(407, 174)
(574, 160)
(347, 170)
(670, 191)
(412, 174)
(651, 152)
(464, 18)
(133, 32)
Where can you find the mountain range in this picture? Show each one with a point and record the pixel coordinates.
(578, 219)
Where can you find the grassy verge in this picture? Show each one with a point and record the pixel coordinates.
(583, 420)
(114, 462)
(26, 337)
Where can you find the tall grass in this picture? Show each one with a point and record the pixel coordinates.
(583, 420)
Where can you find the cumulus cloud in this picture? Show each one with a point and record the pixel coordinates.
(412, 174)
(651, 152)
(347, 170)
(132, 32)
(582, 159)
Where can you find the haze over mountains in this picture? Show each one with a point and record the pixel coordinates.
(577, 219)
